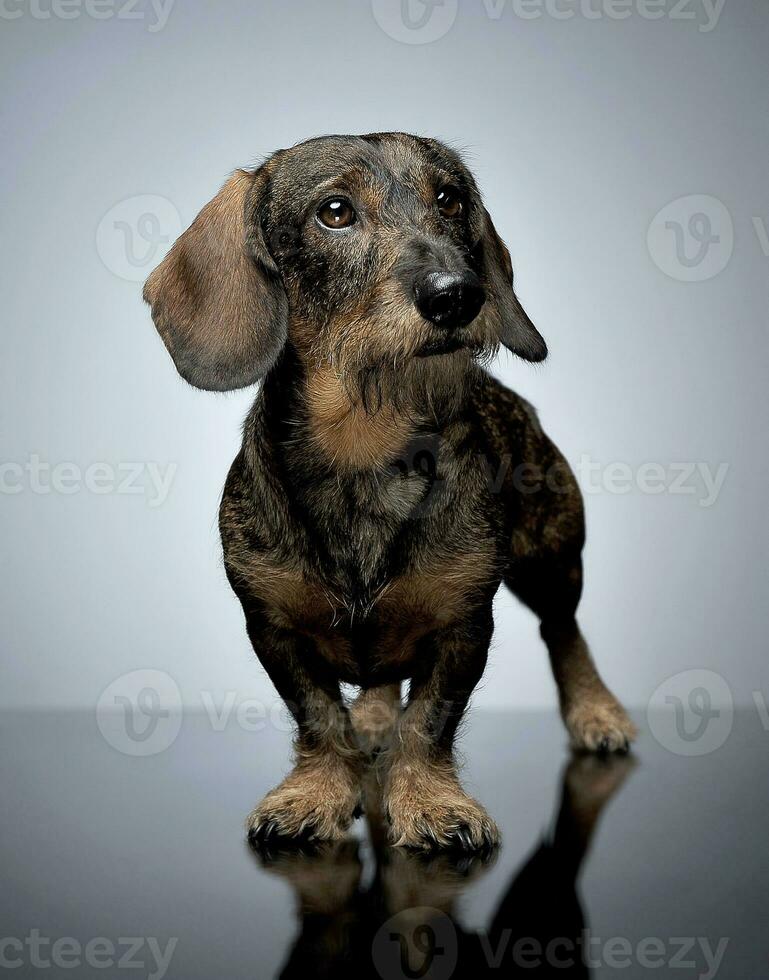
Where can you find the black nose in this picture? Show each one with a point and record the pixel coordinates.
(449, 299)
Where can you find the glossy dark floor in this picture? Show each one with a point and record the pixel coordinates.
(654, 863)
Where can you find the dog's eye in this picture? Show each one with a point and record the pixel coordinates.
(336, 213)
(450, 201)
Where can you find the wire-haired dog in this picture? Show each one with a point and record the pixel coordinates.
(386, 484)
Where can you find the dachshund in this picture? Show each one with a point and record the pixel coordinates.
(387, 484)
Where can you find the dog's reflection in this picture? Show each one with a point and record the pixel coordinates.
(403, 923)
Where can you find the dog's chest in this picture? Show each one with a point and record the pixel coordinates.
(369, 643)
(363, 526)
(385, 582)
(381, 558)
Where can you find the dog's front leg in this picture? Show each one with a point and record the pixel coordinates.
(319, 797)
(423, 799)
(375, 714)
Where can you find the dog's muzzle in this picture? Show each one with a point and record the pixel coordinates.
(449, 299)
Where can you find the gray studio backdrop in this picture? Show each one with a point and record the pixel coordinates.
(622, 147)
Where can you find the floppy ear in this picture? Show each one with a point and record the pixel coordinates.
(515, 329)
(217, 298)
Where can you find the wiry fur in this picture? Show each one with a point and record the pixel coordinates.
(374, 507)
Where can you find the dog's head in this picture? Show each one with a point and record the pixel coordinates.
(366, 251)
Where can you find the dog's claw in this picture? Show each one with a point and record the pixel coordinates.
(264, 832)
(269, 841)
(461, 840)
(255, 833)
(608, 746)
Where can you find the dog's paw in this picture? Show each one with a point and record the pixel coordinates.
(431, 879)
(591, 780)
(600, 725)
(324, 875)
(314, 802)
(428, 809)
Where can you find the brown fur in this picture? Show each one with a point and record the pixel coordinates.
(590, 711)
(316, 799)
(440, 593)
(209, 291)
(427, 807)
(345, 431)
